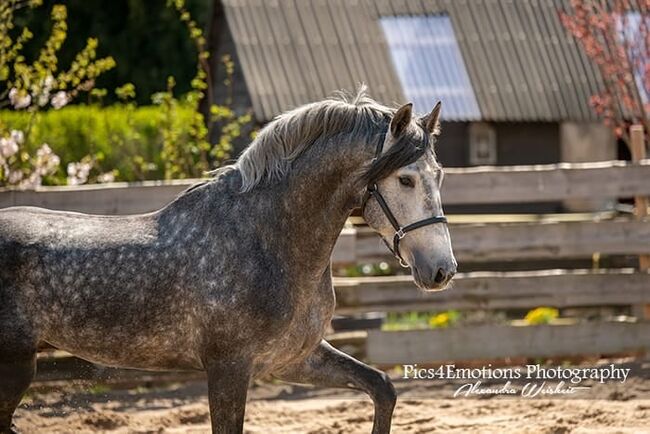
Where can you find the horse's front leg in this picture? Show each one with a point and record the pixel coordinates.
(227, 388)
(329, 367)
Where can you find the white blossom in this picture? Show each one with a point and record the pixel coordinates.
(8, 147)
(60, 99)
(106, 177)
(34, 180)
(46, 161)
(14, 176)
(78, 172)
(19, 99)
(42, 93)
(43, 98)
(48, 83)
(17, 136)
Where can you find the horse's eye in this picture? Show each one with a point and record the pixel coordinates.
(406, 181)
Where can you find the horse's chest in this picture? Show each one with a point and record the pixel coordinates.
(309, 322)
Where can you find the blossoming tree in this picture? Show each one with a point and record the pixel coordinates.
(34, 86)
(615, 35)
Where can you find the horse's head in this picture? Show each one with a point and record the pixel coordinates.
(403, 203)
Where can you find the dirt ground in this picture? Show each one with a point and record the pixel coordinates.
(423, 407)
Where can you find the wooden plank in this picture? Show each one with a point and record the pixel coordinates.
(114, 199)
(637, 146)
(462, 186)
(528, 241)
(544, 183)
(345, 248)
(490, 290)
(501, 341)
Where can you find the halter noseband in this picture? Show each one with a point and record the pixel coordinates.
(400, 231)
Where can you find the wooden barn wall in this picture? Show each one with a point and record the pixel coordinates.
(517, 143)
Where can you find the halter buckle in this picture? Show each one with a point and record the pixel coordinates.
(400, 233)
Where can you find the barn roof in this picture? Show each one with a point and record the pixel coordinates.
(520, 63)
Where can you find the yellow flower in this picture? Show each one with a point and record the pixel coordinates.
(440, 320)
(541, 315)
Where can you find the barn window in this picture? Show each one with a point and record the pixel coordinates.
(429, 64)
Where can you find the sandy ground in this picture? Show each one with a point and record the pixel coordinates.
(423, 407)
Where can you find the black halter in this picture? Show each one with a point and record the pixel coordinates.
(400, 231)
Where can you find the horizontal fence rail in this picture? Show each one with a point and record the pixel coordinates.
(543, 183)
(490, 290)
(482, 185)
(493, 341)
(515, 241)
(117, 198)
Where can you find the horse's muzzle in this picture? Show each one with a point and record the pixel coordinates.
(430, 277)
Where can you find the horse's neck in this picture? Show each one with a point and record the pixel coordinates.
(315, 199)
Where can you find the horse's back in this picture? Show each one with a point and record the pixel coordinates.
(74, 274)
(58, 253)
(32, 225)
(16, 231)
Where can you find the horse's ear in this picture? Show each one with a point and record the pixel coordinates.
(401, 120)
(431, 122)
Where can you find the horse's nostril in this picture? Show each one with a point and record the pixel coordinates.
(441, 276)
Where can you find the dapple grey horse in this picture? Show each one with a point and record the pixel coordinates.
(233, 277)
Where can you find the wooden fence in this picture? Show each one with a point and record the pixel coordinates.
(529, 239)
(482, 185)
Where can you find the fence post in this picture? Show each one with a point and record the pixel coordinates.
(638, 151)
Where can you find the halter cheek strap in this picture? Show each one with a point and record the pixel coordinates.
(400, 231)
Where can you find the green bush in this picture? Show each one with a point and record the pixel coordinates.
(124, 139)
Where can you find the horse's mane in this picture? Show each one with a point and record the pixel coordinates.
(270, 155)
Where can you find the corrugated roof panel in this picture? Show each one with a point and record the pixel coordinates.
(305, 57)
(287, 55)
(244, 49)
(518, 59)
(269, 53)
(537, 44)
(427, 59)
(533, 72)
(513, 64)
(495, 103)
(383, 81)
(347, 41)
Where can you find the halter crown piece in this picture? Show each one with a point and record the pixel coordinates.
(400, 231)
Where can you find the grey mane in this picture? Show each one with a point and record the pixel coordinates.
(270, 155)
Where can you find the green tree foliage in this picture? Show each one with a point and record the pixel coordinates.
(96, 143)
(32, 85)
(146, 38)
(197, 155)
(122, 140)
